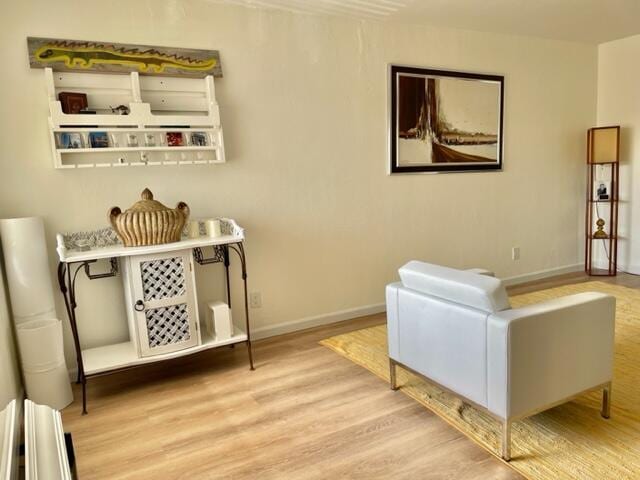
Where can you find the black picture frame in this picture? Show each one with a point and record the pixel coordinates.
(475, 165)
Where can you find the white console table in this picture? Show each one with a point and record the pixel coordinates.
(104, 244)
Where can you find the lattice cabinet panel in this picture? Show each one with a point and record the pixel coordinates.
(161, 302)
(163, 278)
(168, 325)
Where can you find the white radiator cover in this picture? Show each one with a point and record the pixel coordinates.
(9, 436)
(45, 451)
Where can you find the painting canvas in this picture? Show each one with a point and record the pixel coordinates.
(444, 121)
(109, 57)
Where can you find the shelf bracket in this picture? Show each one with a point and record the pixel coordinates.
(218, 255)
(95, 276)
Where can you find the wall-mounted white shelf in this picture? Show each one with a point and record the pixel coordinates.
(158, 106)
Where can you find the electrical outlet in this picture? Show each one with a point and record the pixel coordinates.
(515, 253)
(255, 300)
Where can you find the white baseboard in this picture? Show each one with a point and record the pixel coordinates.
(316, 321)
(550, 272)
(343, 315)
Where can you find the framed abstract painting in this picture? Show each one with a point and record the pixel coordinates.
(442, 121)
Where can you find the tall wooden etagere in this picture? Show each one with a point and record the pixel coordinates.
(603, 175)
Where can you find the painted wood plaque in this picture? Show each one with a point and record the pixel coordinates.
(107, 57)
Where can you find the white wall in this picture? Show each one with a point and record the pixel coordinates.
(303, 105)
(619, 104)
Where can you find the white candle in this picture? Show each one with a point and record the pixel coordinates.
(213, 228)
(194, 229)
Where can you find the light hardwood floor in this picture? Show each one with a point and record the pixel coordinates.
(304, 413)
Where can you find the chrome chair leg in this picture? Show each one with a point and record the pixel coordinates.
(606, 401)
(506, 440)
(392, 375)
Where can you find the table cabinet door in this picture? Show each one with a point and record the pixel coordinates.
(164, 302)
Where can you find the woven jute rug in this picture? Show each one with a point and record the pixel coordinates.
(569, 441)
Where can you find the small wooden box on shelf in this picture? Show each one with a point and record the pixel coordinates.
(170, 121)
(603, 146)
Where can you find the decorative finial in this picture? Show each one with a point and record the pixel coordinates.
(600, 233)
(146, 194)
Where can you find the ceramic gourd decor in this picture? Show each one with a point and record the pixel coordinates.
(149, 222)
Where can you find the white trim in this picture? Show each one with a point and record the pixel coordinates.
(632, 269)
(316, 321)
(550, 272)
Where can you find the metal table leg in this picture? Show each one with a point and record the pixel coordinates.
(243, 260)
(67, 282)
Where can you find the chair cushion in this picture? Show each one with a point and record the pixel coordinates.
(466, 288)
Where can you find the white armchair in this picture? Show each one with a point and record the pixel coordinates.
(457, 329)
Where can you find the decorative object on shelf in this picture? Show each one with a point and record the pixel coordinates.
(150, 139)
(73, 102)
(174, 139)
(600, 233)
(602, 190)
(149, 222)
(99, 139)
(132, 140)
(102, 57)
(70, 140)
(120, 110)
(83, 245)
(219, 324)
(602, 200)
(213, 228)
(194, 229)
(442, 121)
(199, 139)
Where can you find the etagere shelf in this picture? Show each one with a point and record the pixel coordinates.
(601, 222)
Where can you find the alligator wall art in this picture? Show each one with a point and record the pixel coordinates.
(108, 57)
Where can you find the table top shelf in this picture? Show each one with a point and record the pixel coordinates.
(234, 234)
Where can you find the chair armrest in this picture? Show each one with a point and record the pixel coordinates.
(393, 319)
(541, 354)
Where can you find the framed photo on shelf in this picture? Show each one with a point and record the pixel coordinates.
(443, 121)
(98, 139)
(174, 139)
(149, 139)
(69, 140)
(199, 139)
(601, 190)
